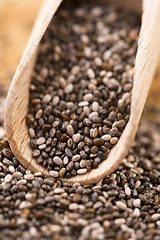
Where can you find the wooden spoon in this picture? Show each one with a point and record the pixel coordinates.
(18, 97)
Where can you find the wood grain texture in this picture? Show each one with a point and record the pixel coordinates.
(145, 67)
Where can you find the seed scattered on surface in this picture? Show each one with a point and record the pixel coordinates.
(41, 140)
(57, 160)
(114, 140)
(121, 205)
(76, 137)
(70, 130)
(82, 171)
(106, 137)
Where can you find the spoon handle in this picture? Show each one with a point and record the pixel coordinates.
(148, 55)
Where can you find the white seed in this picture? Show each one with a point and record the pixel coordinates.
(83, 104)
(76, 157)
(65, 160)
(54, 174)
(22, 182)
(68, 89)
(58, 190)
(43, 146)
(32, 133)
(90, 73)
(41, 140)
(57, 160)
(136, 203)
(11, 169)
(92, 115)
(75, 69)
(8, 178)
(121, 205)
(29, 177)
(76, 137)
(86, 110)
(70, 105)
(73, 206)
(62, 82)
(25, 204)
(82, 171)
(39, 114)
(106, 137)
(156, 216)
(119, 221)
(127, 191)
(88, 97)
(46, 98)
(70, 130)
(106, 224)
(98, 61)
(95, 106)
(55, 100)
(136, 212)
(17, 175)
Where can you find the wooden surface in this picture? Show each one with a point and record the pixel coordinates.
(16, 21)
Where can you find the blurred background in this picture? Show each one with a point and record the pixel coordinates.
(16, 21)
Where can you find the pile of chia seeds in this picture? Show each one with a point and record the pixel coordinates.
(125, 205)
(81, 87)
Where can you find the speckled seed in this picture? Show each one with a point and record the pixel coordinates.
(57, 160)
(82, 163)
(95, 106)
(88, 97)
(54, 174)
(114, 140)
(93, 115)
(39, 114)
(82, 171)
(76, 157)
(70, 130)
(41, 140)
(46, 98)
(106, 137)
(76, 137)
(55, 100)
(68, 89)
(95, 132)
(121, 123)
(98, 141)
(83, 104)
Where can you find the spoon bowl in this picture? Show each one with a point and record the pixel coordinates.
(18, 96)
